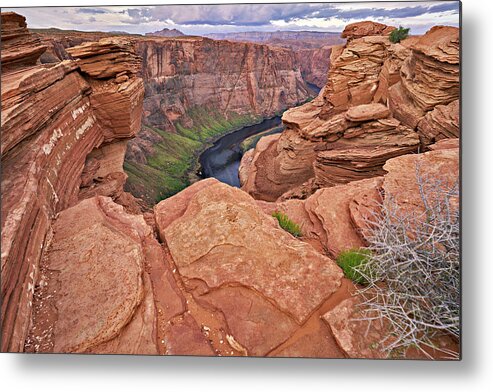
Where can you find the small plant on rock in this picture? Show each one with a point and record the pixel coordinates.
(398, 35)
(287, 224)
(354, 263)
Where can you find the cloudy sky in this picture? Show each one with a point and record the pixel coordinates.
(201, 19)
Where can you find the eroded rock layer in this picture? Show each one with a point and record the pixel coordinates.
(244, 78)
(381, 100)
(52, 119)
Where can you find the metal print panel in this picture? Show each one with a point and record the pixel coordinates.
(232, 180)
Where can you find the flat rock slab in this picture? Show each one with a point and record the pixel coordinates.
(96, 258)
(371, 111)
(255, 323)
(224, 238)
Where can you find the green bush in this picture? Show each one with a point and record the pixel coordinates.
(355, 264)
(398, 35)
(287, 224)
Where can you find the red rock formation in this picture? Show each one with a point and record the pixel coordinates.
(368, 112)
(362, 29)
(244, 78)
(50, 123)
(227, 255)
(18, 46)
(94, 291)
(429, 78)
(314, 64)
(106, 58)
(264, 281)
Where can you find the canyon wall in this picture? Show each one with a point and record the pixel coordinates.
(381, 100)
(223, 76)
(60, 126)
(197, 89)
(312, 48)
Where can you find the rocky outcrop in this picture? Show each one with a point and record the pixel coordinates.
(265, 282)
(313, 153)
(372, 109)
(336, 217)
(440, 123)
(363, 29)
(269, 293)
(107, 58)
(51, 122)
(18, 46)
(429, 78)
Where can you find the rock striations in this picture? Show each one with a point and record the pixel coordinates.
(243, 78)
(53, 118)
(381, 100)
(209, 271)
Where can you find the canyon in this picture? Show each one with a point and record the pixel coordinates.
(381, 100)
(196, 90)
(89, 268)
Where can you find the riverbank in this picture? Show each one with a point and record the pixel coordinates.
(174, 161)
(222, 159)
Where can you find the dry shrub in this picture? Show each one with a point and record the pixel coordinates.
(414, 284)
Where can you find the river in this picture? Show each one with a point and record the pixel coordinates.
(222, 159)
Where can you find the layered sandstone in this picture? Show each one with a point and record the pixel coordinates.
(372, 109)
(18, 46)
(51, 122)
(430, 79)
(314, 64)
(243, 78)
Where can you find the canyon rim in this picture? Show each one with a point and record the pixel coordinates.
(266, 180)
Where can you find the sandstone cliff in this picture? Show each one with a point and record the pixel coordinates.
(56, 122)
(225, 76)
(381, 100)
(198, 89)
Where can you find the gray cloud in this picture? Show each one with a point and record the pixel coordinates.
(202, 19)
(262, 14)
(93, 11)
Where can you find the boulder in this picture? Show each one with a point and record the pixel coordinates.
(371, 111)
(224, 239)
(93, 283)
(363, 29)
